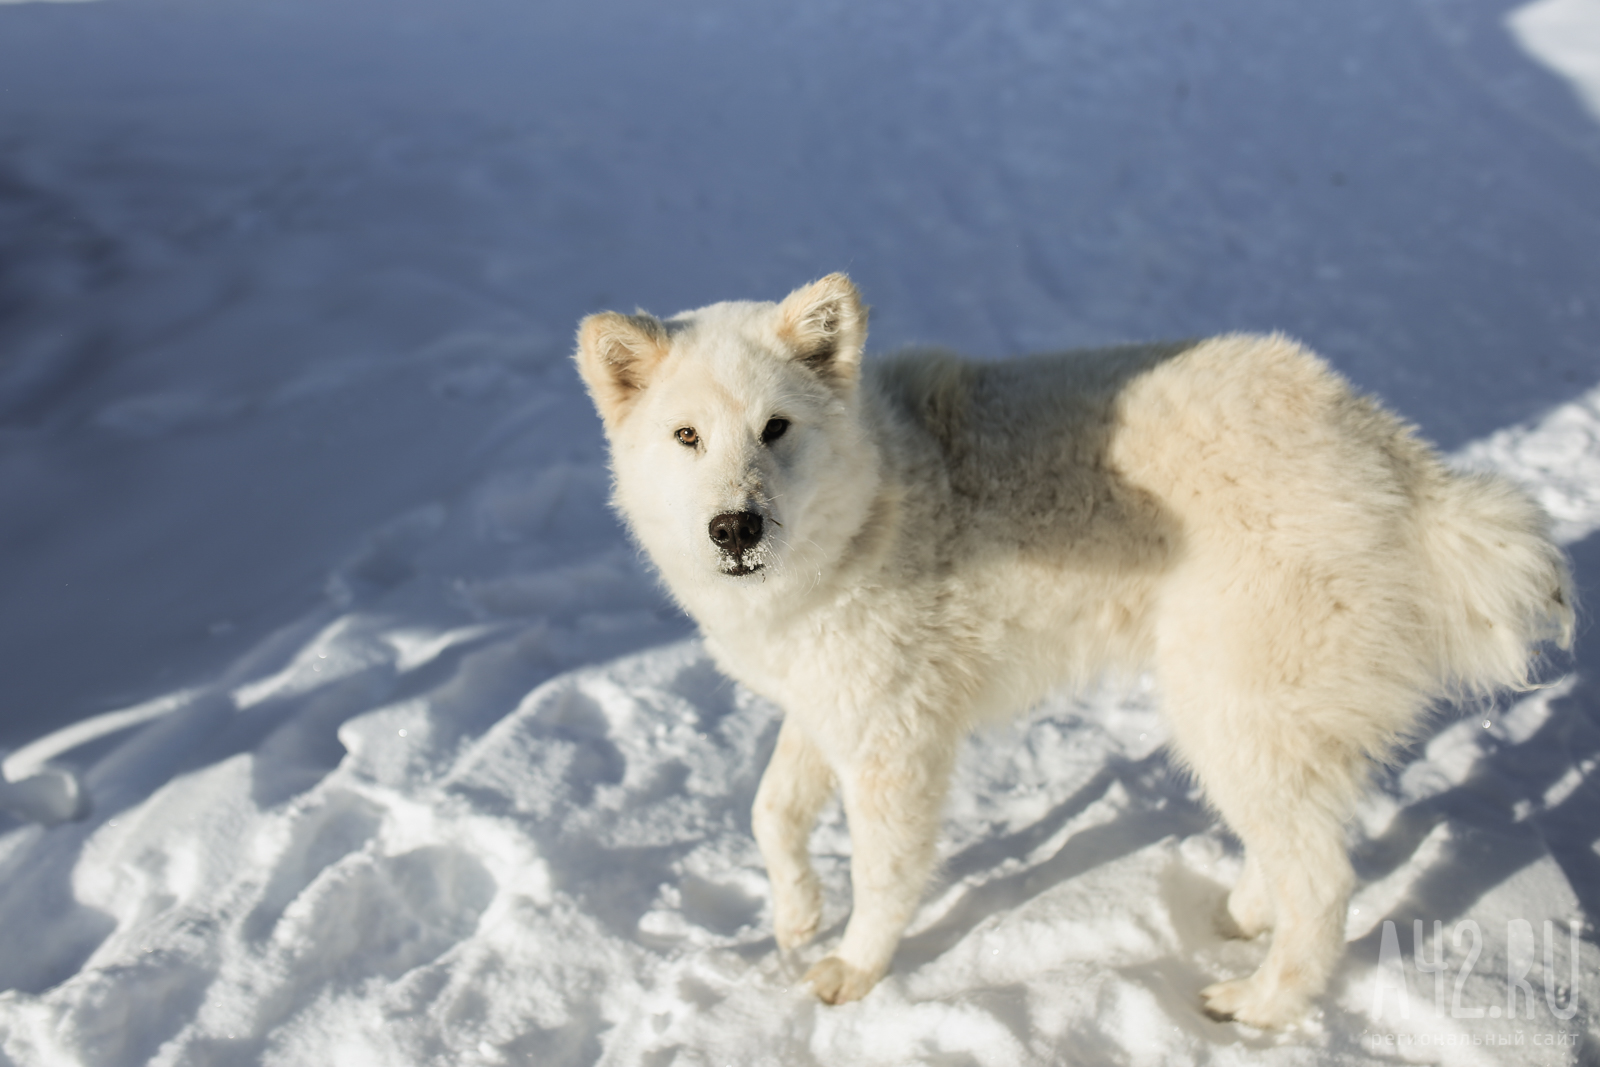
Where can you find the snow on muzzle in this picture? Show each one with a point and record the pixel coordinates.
(736, 533)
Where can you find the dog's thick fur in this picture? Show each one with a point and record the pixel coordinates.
(897, 549)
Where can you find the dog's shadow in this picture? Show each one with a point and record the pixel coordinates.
(1160, 806)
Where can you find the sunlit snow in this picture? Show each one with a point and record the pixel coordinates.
(344, 726)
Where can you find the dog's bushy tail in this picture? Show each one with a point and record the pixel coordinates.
(1499, 588)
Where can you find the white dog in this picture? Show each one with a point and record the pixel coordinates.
(896, 550)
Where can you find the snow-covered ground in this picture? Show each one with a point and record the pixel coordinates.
(393, 752)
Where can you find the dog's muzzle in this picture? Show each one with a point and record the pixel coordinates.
(734, 532)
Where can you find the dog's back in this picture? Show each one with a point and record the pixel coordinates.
(1015, 456)
(1238, 491)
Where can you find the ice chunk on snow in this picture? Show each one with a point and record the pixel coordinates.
(50, 796)
(1564, 35)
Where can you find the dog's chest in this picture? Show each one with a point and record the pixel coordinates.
(852, 657)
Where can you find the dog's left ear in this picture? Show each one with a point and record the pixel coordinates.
(825, 325)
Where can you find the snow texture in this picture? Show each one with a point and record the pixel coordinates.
(344, 724)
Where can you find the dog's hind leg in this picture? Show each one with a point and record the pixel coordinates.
(892, 799)
(796, 784)
(1285, 785)
(1308, 879)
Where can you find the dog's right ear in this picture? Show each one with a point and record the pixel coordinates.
(617, 355)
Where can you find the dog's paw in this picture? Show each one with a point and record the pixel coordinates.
(1264, 1005)
(836, 982)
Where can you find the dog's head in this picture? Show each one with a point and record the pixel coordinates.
(736, 442)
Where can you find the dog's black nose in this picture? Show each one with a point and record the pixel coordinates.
(735, 531)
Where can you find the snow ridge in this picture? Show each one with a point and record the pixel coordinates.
(416, 764)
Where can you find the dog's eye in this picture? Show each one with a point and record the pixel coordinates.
(687, 437)
(773, 430)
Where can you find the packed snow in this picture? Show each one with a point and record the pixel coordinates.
(345, 726)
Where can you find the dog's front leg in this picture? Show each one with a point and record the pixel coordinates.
(796, 784)
(892, 798)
